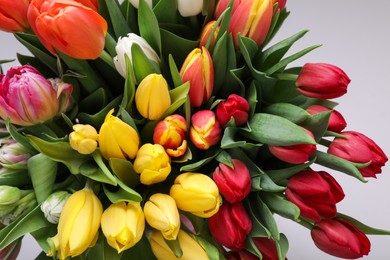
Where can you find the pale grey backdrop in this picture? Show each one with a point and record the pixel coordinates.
(355, 37)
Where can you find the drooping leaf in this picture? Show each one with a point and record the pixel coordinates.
(278, 204)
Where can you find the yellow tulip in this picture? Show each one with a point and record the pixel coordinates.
(152, 96)
(123, 225)
(196, 193)
(162, 214)
(192, 250)
(153, 163)
(83, 138)
(78, 225)
(117, 139)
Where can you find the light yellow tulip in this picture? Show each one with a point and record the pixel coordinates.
(83, 138)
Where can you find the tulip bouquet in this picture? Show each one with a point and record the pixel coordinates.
(171, 129)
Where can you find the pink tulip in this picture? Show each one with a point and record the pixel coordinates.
(13, 15)
(235, 106)
(205, 130)
(337, 122)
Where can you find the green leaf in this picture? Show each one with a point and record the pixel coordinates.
(174, 72)
(211, 251)
(286, 173)
(225, 158)
(19, 137)
(175, 247)
(141, 250)
(282, 246)
(267, 184)
(148, 26)
(93, 172)
(142, 66)
(117, 20)
(103, 251)
(317, 124)
(41, 236)
(123, 169)
(275, 130)
(278, 204)
(121, 193)
(229, 141)
(43, 172)
(17, 178)
(363, 227)
(266, 217)
(166, 11)
(289, 111)
(197, 165)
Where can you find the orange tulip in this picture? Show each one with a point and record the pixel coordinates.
(13, 15)
(69, 27)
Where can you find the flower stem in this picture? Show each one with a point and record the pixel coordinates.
(286, 76)
(106, 57)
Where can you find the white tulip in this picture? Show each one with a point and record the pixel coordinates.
(189, 7)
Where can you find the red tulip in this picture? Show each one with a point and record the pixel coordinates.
(267, 248)
(13, 15)
(93, 4)
(205, 130)
(315, 193)
(358, 148)
(235, 106)
(230, 225)
(69, 27)
(281, 4)
(234, 184)
(321, 80)
(241, 255)
(340, 238)
(337, 122)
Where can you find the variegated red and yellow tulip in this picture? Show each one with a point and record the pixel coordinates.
(205, 129)
(206, 32)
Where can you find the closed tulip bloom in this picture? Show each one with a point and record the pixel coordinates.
(53, 205)
(340, 238)
(189, 8)
(267, 248)
(196, 193)
(69, 27)
(78, 225)
(198, 69)
(13, 154)
(206, 32)
(205, 129)
(83, 138)
(93, 4)
(295, 154)
(13, 15)
(315, 194)
(117, 139)
(358, 148)
(281, 4)
(171, 133)
(152, 96)
(231, 225)
(153, 163)
(337, 122)
(28, 98)
(234, 184)
(123, 225)
(162, 214)
(321, 80)
(235, 106)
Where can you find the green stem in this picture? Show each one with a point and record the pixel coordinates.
(286, 76)
(305, 223)
(106, 57)
(325, 142)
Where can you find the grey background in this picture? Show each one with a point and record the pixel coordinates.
(355, 37)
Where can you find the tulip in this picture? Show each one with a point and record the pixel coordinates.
(13, 15)
(117, 139)
(189, 8)
(281, 4)
(153, 163)
(78, 225)
(162, 214)
(123, 225)
(315, 194)
(340, 238)
(234, 184)
(13, 154)
(337, 122)
(267, 248)
(171, 133)
(69, 27)
(321, 80)
(14, 202)
(93, 4)
(358, 148)
(295, 154)
(83, 138)
(152, 96)
(123, 48)
(27, 98)
(53, 206)
(235, 106)
(196, 193)
(198, 69)
(231, 225)
(205, 129)
(135, 3)
(191, 249)
(9, 195)
(206, 32)
(241, 255)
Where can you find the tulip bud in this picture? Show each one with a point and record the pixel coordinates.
(9, 195)
(323, 81)
(123, 48)
(340, 238)
(198, 69)
(13, 16)
(337, 122)
(190, 247)
(189, 8)
(14, 202)
(53, 205)
(196, 193)
(295, 154)
(162, 214)
(24, 86)
(123, 225)
(281, 4)
(206, 32)
(152, 96)
(205, 129)
(83, 138)
(69, 27)
(315, 194)
(117, 139)
(13, 153)
(78, 225)
(234, 184)
(171, 133)
(358, 148)
(235, 106)
(267, 248)
(135, 3)
(153, 163)
(231, 225)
